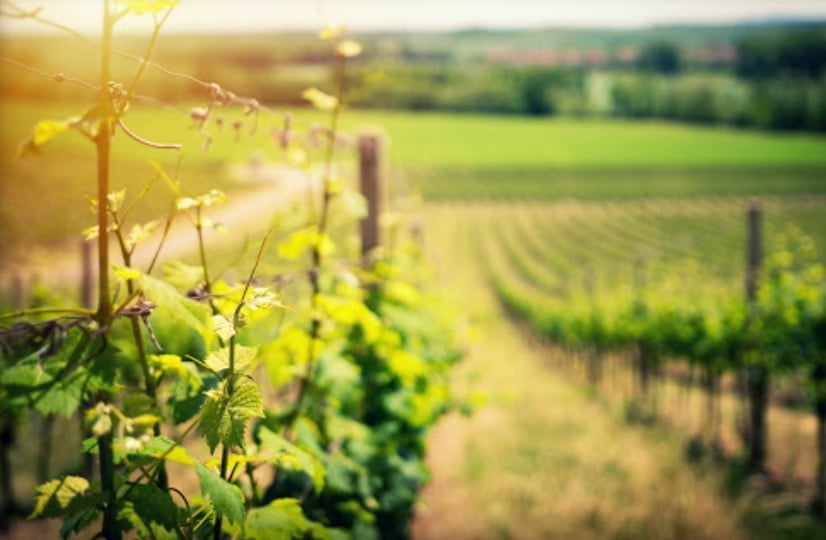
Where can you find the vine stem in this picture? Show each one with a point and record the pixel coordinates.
(45, 311)
(110, 530)
(317, 256)
(230, 376)
(140, 344)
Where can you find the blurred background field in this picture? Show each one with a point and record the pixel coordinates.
(554, 159)
(551, 113)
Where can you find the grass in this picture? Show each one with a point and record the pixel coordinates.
(505, 142)
(444, 156)
(596, 184)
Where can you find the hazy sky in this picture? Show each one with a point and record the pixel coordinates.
(257, 15)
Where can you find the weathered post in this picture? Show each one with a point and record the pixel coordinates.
(642, 354)
(18, 291)
(370, 148)
(757, 373)
(754, 250)
(593, 360)
(87, 278)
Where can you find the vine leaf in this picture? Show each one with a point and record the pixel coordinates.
(224, 419)
(292, 456)
(26, 373)
(319, 99)
(161, 447)
(139, 7)
(169, 300)
(348, 48)
(332, 31)
(354, 204)
(299, 243)
(182, 276)
(125, 273)
(153, 505)
(44, 131)
(282, 518)
(223, 327)
(138, 233)
(64, 396)
(55, 496)
(225, 497)
(219, 360)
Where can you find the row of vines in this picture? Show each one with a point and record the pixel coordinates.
(289, 402)
(659, 287)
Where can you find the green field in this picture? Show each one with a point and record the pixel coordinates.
(443, 157)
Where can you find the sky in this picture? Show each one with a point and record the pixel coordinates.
(216, 16)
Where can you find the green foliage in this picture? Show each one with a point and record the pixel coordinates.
(358, 371)
(291, 457)
(660, 57)
(282, 518)
(226, 498)
(54, 498)
(677, 309)
(796, 51)
(139, 7)
(153, 506)
(224, 415)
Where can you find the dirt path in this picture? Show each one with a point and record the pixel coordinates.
(544, 459)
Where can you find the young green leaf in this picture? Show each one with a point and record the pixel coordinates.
(354, 203)
(294, 455)
(47, 129)
(225, 497)
(299, 243)
(319, 99)
(101, 422)
(115, 199)
(224, 419)
(55, 496)
(153, 505)
(348, 48)
(170, 301)
(138, 233)
(64, 396)
(222, 327)
(182, 276)
(219, 360)
(125, 273)
(91, 233)
(139, 7)
(282, 518)
(161, 447)
(332, 31)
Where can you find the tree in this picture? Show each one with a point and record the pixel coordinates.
(661, 57)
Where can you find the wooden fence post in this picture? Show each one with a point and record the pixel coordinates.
(754, 250)
(370, 149)
(18, 291)
(757, 372)
(86, 275)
